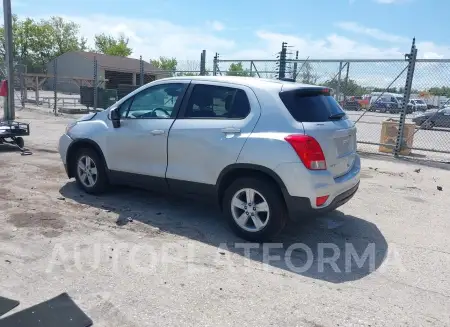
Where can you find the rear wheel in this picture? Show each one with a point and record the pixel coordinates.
(428, 125)
(90, 172)
(254, 209)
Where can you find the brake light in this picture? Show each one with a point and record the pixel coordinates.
(308, 150)
(320, 200)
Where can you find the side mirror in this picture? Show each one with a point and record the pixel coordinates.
(115, 118)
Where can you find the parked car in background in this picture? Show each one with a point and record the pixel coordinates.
(386, 102)
(351, 104)
(433, 118)
(417, 105)
(264, 150)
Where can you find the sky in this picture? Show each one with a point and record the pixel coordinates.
(250, 29)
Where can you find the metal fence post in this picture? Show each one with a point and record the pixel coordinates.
(338, 87)
(95, 84)
(22, 85)
(141, 71)
(55, 83)
(10, 113)
(203, 63)
(294, 71)
(215, 63)
(412, 56)
(346, 91)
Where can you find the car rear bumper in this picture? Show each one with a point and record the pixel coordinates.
(299, 207)
(303, 187)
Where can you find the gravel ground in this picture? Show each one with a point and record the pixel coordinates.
(133, 258)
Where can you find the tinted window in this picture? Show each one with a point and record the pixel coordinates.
(311, 105)
(210, 101)
(156, 101)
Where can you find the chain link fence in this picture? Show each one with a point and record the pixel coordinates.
(373, 93)
(78, 82)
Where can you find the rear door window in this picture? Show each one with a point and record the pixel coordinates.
(312, 105)
(217, 102)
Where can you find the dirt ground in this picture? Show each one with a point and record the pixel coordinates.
(133, 258)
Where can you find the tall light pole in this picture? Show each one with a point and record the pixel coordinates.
(10, 112)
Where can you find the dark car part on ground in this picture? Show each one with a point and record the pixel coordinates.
(56, 312)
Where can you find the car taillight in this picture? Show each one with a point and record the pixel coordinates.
(308, 150)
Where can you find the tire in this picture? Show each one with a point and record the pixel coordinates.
(427, 125)
(100, 178)
(271, 223)
(19, 142)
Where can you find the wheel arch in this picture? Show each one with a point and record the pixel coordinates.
(234, 171)
(75, 147)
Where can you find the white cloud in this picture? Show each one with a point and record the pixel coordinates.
(371, 32)
(153, 38)
(216, 25)
(333, 46)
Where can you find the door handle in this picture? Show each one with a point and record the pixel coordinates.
(231, 130)
(157, 132)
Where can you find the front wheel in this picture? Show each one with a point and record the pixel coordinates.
(254, 209)
(90, 172)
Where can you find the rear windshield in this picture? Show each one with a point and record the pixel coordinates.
(311, 105)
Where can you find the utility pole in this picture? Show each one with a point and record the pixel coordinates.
(283, 55)
(10, 112)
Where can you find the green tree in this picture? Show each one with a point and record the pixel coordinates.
(109, 45)
(349, 88)
(307, 75)
(238, 70)
(35, 43)
(440, 91)
(165, 63)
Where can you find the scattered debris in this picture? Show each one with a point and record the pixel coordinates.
(220, 288)
(439, 188)
(123, 221)
(8, 261)
(110, 257)
(33, 187)
(417, 170)
(158, 213)
(222, 252)
(61, 198)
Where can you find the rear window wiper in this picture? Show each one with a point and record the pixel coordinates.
(337, 116)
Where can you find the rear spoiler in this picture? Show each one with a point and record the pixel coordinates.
(306, 91)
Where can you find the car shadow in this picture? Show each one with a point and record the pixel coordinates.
(336, 247)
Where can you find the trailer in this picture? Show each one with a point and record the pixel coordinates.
(12, 132)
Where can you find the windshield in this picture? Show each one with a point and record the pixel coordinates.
(419, 101)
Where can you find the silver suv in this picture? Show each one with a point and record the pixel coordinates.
(265, 150)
